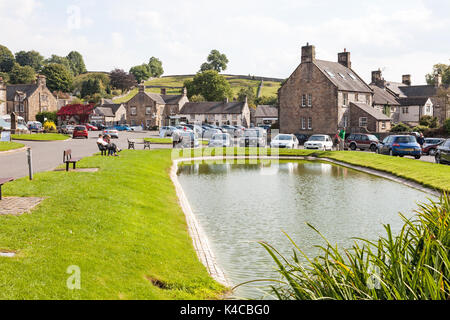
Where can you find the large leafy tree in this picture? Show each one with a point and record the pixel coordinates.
(215, 61)
(122, 80)
(209, 84)
(248, 93)
(30, 58)
(59, 78)
(54, 59)
(91, 87)
(156, 67)
(22, 75)
(441, 68)
(6, 59)
(141, 72)
(76, 63)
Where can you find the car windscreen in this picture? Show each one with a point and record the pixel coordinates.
(284, 138)
(372, 138)
(251, 133)
(405, 139)
(220, 137)
(317, 138)
(80, 128)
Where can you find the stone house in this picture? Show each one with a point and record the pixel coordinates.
(316, 98)
(110, 114)
(152, 109)
(217, 113)
(27, 100)
(264, 114)
(366, 119)
(2, 97)
(413, 102)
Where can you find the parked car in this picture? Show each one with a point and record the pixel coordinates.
(240, 131)
(113, 133)
(208, 134)
(319, 142)
(100, 126)
(286, 141)
(430, 146)
(256, 137)
(80, 132)
(196, 129)
(189, 140)
(400, 146)
(302, 138)
(167, 131)
(362, 141)
(5, 123)
(91, 127)
(184, 128)
(66, 129)
(443, 152)
(221, 140)
(123, 127)
(34, 126)
(228, 129)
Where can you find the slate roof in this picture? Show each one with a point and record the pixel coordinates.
(383, 97)
(419, 91)
(345, 83)
(395, 88)
(171, 99)
(28, 89)
(413, 101)
(264, 111)
(213, 108)
(375, 113)
(108, 110)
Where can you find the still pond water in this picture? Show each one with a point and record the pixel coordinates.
(238, 204)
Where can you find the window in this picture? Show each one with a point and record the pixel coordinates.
(331, 74)
(342, 76)
(224, 117)
(428, 109)
(192, 117)
(405, 110)
(356, 97)
(309, 123)
(368, 99)
(345, 121)
(133, 111)
(304, 100)
(148, 110)
(303, 123)
(383, 125)
(309, 100)
(235, 117)
(149, 123)
(352, 76)
(363, 122)
(345, 99)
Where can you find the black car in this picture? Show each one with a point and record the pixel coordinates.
(302, 138)
(443, 153)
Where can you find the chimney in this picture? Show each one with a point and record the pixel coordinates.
(438, 80)
(41, 80)
(406, 79)
(184, 92)
(163, 91)
(142, 87)
(344, 59)
(308, 54)
(225, 100)
(376, 77)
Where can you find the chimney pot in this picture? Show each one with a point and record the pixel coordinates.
(406, 79)
(308, 53)
(377, 78)
(141, 87)
(344, 59)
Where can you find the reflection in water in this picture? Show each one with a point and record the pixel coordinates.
(238, 204)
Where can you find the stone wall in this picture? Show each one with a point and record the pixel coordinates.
(141, 102)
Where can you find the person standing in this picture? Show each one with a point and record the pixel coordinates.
(337, 141)
(421, 139)
(342, 135)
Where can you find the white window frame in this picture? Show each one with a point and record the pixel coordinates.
(303, 100)
(363, 123)
(345, 98)
(133, 111)
(148, 111)
(310, 125)
(345, 121)
(303, 123)
(310, 100)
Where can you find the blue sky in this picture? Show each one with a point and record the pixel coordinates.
(259, 37)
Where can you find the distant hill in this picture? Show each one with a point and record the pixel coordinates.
(174, 84)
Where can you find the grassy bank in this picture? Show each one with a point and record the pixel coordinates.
(431, 175)
(122, 226)
(160, 140)
(40, 137)
(8, 146)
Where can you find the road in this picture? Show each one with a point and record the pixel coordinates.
(49, 155)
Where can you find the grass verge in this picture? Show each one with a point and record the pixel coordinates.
(159, 140)
(122, 226)
(7, 146)
(40, 137)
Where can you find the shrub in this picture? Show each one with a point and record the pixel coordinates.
(50, 127)
(413, 265)
(50, 116)
(447, 125)
(420, 128)
(401, 127)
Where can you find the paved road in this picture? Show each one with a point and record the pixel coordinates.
(49, 155)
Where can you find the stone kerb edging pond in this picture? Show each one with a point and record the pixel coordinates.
(199, 237)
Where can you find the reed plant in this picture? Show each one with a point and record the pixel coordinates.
(412, 265)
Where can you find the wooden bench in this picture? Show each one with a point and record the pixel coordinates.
(103, 149)
(2, 182)
(133, 142)
(68, 159)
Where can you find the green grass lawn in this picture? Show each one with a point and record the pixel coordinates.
(269, 89)
(40, 137)
(160, 140)
(122, 226)
(7, 146)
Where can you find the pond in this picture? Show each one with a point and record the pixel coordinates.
(238, 204)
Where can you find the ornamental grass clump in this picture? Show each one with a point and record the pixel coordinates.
(413, 265)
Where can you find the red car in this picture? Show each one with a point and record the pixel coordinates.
(80, 132)
(90, 127)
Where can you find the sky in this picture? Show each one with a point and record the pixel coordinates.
(259, 37)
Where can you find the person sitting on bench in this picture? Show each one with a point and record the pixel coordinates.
(102, 144)
(112, 147)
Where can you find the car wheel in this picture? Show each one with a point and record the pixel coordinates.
(417, 157)
(438, 159)
(353, 147)
(373, 148)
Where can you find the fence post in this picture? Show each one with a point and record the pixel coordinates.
(30, 163)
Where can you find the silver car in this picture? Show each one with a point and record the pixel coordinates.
(254, 138)
(208, 134)
(221, 140)
(189, 140)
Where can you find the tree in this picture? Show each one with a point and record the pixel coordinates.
(447, 125)
(248, 93)
(30, 58)
(442, 69)
(197, 98)
(6, 59)
(269, 101)
(141, 72)
(429, 121)
(91, 87)
(5, 76)
(122, 80)
(76, 63)
(401, 127)
(50, 116)
(216, 61)
(22, 75)
(210, 84)
(54, 59)
(59, 78)
(79, 80)
(156, 67)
